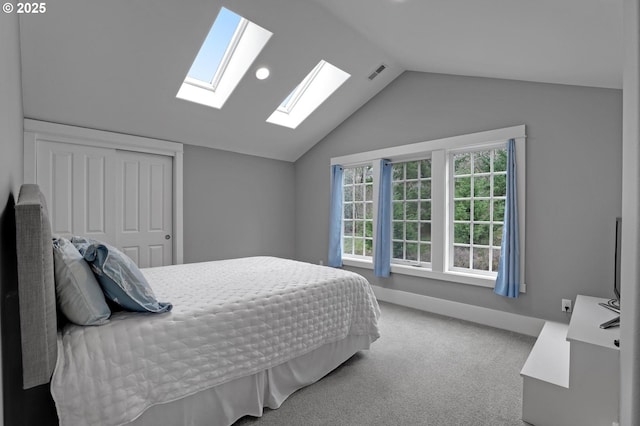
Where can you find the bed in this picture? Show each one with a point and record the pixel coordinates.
(243, 334)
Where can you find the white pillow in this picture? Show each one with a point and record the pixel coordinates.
(79, 295)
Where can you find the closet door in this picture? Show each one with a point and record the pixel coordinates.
(119, 197)
(144, 207)
(77, 182)
(120, 189)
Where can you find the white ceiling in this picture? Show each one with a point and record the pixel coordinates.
(575, 42)
(117, 65)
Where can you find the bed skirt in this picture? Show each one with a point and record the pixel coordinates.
(222, 405)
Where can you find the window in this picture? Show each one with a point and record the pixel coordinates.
(220, 43)
(447, 206)
(411, 219)
(357, 216)
(477, 199)
(313, 90)
(231, 46)
(290, 101)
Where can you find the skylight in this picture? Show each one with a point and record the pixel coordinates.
(231, 46)
(290, 101)
(313, 90)
(218, 41)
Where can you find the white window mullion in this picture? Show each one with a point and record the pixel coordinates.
(439, 209)
(522, 173)
(377, 171)
(492, 219)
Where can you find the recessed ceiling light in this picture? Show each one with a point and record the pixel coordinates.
(262, 73)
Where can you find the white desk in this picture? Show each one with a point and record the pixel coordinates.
(594, 373)
(584, 354)
(585, 323)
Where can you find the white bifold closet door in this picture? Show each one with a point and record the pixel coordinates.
(144, 207)
(77, 182)
(119, 197)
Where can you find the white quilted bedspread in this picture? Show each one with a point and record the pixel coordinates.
(230, 319)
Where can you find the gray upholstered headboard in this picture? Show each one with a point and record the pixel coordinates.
(38, 323)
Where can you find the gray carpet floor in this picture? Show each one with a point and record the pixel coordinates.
(424, 370)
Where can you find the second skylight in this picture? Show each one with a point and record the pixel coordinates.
(313, 90)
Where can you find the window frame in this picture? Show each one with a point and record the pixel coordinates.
(316, 87)
(419, 221)
(441, 208)
(451, 212)
(224, 61)
(243, 49)
(364, 201)
(289, 103)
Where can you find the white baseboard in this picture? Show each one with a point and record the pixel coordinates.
(491, 317)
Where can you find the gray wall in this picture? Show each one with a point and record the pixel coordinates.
(13, 400)
(236, 205)
(574, 145)
(10, 179)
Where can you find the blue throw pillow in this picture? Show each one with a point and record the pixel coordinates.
(81, 243)
(121, 280)
(78, 293)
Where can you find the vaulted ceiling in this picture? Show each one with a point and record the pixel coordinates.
(117, 65)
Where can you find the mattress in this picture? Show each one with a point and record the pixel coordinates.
(231, 318)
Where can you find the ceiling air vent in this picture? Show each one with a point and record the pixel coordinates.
(378, 70)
